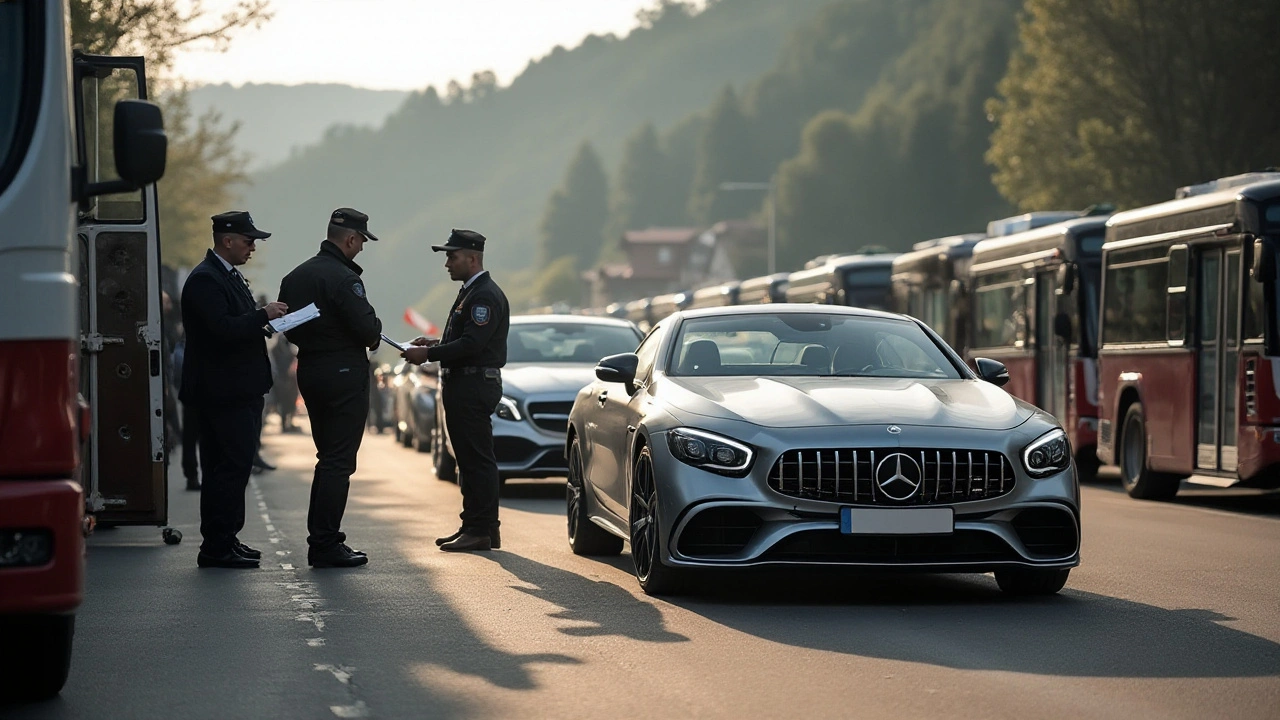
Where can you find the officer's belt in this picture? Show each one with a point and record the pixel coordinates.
(467, 370)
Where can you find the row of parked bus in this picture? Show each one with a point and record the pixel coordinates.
(1150, 333)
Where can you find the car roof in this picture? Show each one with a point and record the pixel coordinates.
(779, 308)
(571, 319)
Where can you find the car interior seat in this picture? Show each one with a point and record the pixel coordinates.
(816, 359)
(702, 357)
(586, 353)
(517, 351)
(855, 357)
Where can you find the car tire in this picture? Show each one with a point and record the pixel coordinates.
(1139, 480)
(399, 435)
(420, 443)
(406, 437)
(647, 544)
(585, 537)
(37, 656)
(441, 461)
(1037, 581)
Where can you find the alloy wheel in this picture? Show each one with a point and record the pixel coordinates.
(573, 490)
(644, 518)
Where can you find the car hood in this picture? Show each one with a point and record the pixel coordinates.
(822, 401)
(532, 379)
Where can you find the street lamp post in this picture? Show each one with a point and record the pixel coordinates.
(771, 188)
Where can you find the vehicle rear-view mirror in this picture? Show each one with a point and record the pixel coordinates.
(1067, 278)
(1062, 326)
(1264, 261)
(140, 142)
(619, 368)
(992, 371)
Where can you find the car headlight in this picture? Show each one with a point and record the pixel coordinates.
(1047, 455)
(508, 409)
(710, 451)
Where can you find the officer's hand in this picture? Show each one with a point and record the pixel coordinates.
(415, 355)
(425, 341)
(276, 309)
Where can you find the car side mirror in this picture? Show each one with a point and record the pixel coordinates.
(992, 371)
(140, 143)
(619, 368)
(1264, 261)
(1066, 278)
(1062, 326)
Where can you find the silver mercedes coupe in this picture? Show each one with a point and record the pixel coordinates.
(803, 434)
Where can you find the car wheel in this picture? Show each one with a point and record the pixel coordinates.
(646, 534)
(441, 461)
(1139, 480)
(1046, 581)
(585, 537)
(399, 435)
(406, 437)
(37, 656)
(421, 442)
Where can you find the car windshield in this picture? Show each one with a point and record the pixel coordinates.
(808, 344)
(562, 342)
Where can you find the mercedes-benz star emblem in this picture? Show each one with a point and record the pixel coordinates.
(894, 429)
(898, 476)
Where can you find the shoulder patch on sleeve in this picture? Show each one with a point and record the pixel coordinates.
(358, 289)
(481, 314)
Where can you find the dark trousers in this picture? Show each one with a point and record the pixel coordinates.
(337, 398)
(469, 402)
(190, 441)
(228, 440)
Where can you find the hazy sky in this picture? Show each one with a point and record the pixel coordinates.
(402, 44)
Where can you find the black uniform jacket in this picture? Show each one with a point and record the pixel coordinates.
(226, 356)
(475, 334)
(347, 324)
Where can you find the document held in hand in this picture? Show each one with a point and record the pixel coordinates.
(393, 343)
(296, 318)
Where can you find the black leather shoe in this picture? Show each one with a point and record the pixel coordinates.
(347, 547)
(335, 557)
(227, 560)
(245, 551)
(468, 543)
(495, 539)
(261, 464)
(193, 483)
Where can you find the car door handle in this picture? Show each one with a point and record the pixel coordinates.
(631, 428)
(603, 396)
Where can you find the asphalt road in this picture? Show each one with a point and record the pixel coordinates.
(1175, 613)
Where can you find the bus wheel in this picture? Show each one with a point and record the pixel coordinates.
(1139, 480)
(37, 656)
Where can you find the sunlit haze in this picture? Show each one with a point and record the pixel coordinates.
(401, 44)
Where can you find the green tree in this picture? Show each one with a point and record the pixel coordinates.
(642, 194)
(203, 168)
(574, 220)
(724, 154)
(559, 282)
(1124, 100)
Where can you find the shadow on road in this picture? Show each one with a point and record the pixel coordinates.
(964, 622)
(1246, 501)
(545, 497)
(605, 608)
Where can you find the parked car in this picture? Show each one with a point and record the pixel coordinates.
(415, 404)
(382, 399)
(549, 358)
(798, 434)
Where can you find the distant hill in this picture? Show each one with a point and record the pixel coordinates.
(275, 119)
(486, 158)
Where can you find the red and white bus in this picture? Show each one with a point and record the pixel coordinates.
(1034, 300)
(66, 127)
(930, 283)
(1189, 367)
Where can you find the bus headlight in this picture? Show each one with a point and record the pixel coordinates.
(1047, 455)
(25, 548)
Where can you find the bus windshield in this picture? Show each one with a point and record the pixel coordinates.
(1090, 278)
(11, 57)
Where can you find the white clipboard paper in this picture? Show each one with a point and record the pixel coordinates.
(294, 319)
(393, 343)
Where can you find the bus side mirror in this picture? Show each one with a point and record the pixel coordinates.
(140, 143)
(1264, 261)
(1067, 277)
(1062, 326)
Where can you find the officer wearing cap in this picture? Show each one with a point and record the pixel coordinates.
(225, 374)
(333, 375)
(470, 353)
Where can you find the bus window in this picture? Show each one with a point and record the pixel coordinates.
(1135, 308)
(1000, 311)
(1089, 279)
(1177, 300)
(100, 95)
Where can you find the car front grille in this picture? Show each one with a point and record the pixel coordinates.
(832, 547)
(719, 531)
(866, 476)
(1047, 532)
(552, 416)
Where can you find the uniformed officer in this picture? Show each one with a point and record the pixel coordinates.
(333, 375)
(470, 353)
(225, 373)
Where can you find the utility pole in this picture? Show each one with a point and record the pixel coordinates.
(771, 189)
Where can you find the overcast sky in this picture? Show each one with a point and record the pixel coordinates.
(402, 44)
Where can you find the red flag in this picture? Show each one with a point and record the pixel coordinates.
(415, 320)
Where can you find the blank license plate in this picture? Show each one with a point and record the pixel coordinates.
(897, 521)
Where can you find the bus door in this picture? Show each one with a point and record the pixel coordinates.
(1051, 350)
(122, 349)
(1217, 355)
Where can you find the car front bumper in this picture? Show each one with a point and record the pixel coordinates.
(533, 447)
